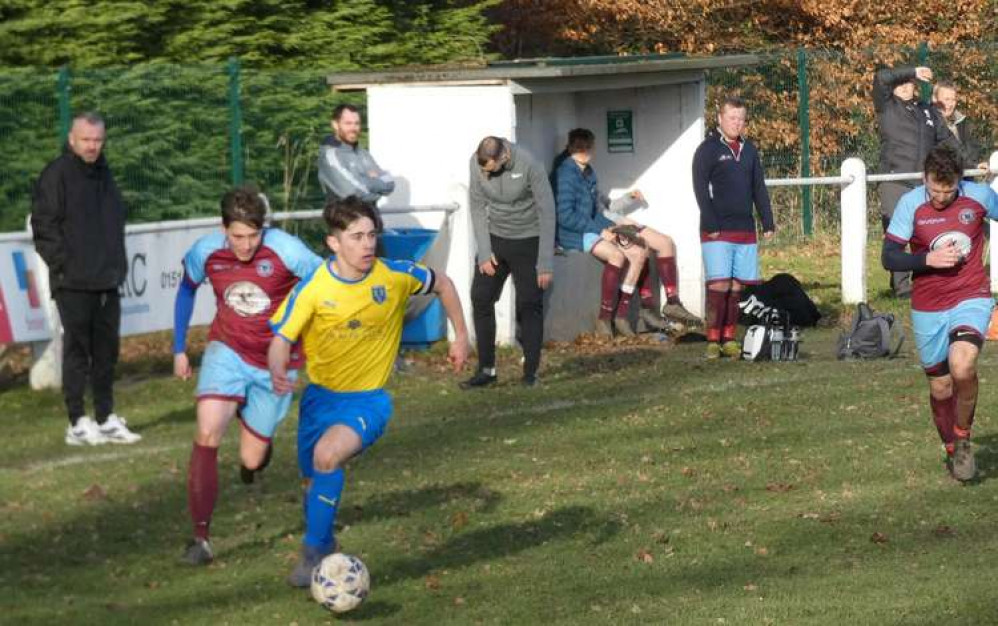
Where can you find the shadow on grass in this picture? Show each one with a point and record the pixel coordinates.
(574, 522)
(986, 456)
(582, 366)
(403, 503)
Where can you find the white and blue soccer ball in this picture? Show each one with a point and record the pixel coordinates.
(961, 240)
(340, 582)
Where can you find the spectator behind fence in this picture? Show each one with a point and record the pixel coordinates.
(909, 129)
(345, 169)
(728, 181)
(944, 98)
(513, 219)
(582, 225)
(78, 224)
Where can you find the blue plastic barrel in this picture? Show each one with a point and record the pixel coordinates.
(411, 244)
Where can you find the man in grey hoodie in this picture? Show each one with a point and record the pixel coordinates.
(344, 168)
(513, 218)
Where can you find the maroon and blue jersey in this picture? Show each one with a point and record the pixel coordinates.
(248, 293)
(917, 224)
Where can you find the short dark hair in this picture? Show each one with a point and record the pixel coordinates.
(90, 117)
(490, 149)
(580, 140)
(732, 101)
(340, 108)
(943, 165)
(339, 213)
(244, 205)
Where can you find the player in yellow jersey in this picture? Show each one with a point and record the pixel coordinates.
(348, 315)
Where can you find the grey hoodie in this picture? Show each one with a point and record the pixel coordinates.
(514, 203)
(349, 170)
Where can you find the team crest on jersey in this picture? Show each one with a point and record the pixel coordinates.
(966, 216)
(265, 268)
(353, 324)
(379, 294)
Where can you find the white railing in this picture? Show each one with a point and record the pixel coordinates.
(154, 252)
(854, 225)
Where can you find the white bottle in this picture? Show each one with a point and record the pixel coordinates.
(776, 343)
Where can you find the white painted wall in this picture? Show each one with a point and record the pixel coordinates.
(425, 137)
(668, 127)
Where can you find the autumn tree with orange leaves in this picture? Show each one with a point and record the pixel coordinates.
(845, 42)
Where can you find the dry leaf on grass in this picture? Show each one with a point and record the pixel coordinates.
(95, 492)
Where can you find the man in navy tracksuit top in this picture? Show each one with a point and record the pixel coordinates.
(728, 180)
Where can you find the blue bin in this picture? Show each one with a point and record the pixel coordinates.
(411, 244)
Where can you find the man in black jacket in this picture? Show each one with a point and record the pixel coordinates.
(78, 221)
(909, 129)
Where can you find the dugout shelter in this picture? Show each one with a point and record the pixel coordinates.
(648, 115)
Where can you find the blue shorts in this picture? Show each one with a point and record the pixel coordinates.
(724, 260)
(225, 376)
(366, 412)
(933, 328)
(589, 241)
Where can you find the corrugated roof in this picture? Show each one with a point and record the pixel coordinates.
(545, 68)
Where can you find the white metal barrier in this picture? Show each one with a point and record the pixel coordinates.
(155, 251)
(159, 261)
(854, 225)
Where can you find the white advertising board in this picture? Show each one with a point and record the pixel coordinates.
(22, 295)
(154, 271)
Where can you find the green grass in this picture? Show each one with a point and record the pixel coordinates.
(638, 485)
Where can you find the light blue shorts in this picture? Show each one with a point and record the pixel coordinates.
(367, 413)
(225, 376)
(724, 260)
(933, 328)
(589, 241)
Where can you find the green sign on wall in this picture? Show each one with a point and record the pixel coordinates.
(620, 131)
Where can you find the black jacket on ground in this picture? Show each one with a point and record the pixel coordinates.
(909, 130)
(78, 224)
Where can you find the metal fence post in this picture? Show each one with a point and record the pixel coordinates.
(804, 119)
(854, 232)
(922, 56)
(235, 123)
(62, 85)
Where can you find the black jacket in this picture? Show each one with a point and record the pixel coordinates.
(726, 187)
(908, 129)
(78, 224)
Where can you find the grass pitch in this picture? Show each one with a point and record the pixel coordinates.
(638, 484)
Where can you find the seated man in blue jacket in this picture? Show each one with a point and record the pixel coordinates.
(583, 226)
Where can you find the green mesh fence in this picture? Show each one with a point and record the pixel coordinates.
(834, 112)
(179, 135)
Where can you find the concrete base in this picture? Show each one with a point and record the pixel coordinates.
(571, 305)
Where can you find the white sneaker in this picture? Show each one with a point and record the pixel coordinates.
(85, 433)
(115, 431)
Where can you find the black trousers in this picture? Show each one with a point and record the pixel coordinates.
(519, 258)
(91, 322)
(890, 193)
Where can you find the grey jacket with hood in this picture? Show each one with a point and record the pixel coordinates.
(349, 170)
(514, 203)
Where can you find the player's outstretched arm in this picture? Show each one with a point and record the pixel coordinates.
(459, 348)
(278, 356)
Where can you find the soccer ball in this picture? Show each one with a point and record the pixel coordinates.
(340, 582)
(962, 241)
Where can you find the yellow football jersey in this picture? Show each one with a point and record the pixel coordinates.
(350, 330)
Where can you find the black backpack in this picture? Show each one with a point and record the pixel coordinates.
(872, 335)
